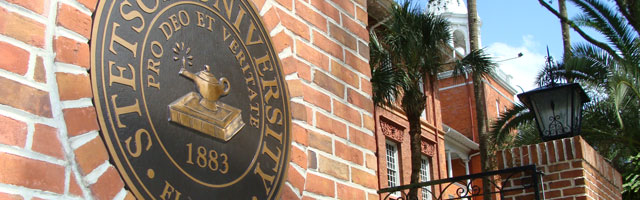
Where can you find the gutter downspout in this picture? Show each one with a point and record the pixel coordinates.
(471, 110)
(378, 24)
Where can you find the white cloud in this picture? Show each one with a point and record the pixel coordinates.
(523, 69)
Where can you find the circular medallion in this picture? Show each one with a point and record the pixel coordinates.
(191, 98)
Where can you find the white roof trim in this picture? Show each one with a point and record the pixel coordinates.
(457, 142)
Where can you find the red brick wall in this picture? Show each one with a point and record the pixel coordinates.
(458, 103)
(572, 170)
(50, 143)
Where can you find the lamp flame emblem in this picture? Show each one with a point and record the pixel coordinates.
(201, 110)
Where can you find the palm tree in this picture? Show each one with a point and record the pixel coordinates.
(610, 71)
(407, 56)
(480, 101)
(566, 37)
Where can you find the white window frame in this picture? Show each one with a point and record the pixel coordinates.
(425, 175)
(393, 168)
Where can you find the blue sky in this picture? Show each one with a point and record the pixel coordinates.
(513, 26)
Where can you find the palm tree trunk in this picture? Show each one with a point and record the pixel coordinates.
(481, 117)
(566, 37)
(472, 17)
(478, 90)
(416, 152)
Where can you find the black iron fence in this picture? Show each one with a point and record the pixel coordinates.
(517, 182)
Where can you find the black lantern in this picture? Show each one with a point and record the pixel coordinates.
(558, 109)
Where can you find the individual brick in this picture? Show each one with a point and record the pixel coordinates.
(317, 98)
(295, 178)
(25, 98)
(368, 122)
(331, 47)
(348, 153)
(355, 28)
(348, 192)
(360, 65)
(73, 86)
(299, 112)
(299, 157)
(74, 20)
(342, 36)
(328, 83)
(299, 134)
(346, 112)
(364, 178)
(313, 56)
(320, 185)
(331, 125)
(333, 168)
(325, 7)
(108, 185)
(37, 6)
(91, 4)
(363, 50)
(40, 73)
(362, 15)
(14, 132)
(362, 139)
(10, 196)
(91, 155)
(16, 59)
(311, 16)
(365, 86)
(320, 142)
(296, 26)
(45, 140)
(282, 41)
(293, 65)
(80, 120)
(26, 172)
(346, 5)
(288, 193)
(22, 28)
(271, 19)
(371, 161)
(74, 188)
(72, 52)
(344, 74)
(359, 100)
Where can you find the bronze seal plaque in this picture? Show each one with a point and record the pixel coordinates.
(191, 98)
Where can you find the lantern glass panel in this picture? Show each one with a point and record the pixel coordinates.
(577, 102)
(553, 109)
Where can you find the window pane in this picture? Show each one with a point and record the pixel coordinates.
(392, 166)
(424, 177)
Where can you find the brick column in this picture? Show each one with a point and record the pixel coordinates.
(50, 147)
(572, 170)
(50, 142)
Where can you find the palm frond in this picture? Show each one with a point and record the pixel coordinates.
(386, 81)
(477, 61)
(607, 21)
(509, 121)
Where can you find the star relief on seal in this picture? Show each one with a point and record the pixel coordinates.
(201, 110)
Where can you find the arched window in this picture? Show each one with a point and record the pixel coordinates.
(459, 41)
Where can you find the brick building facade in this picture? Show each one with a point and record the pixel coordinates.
(51, 145)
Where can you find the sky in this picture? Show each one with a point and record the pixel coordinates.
(513, 26)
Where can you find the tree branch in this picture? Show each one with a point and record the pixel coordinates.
(584, 35)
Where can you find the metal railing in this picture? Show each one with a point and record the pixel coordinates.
(505, 182)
